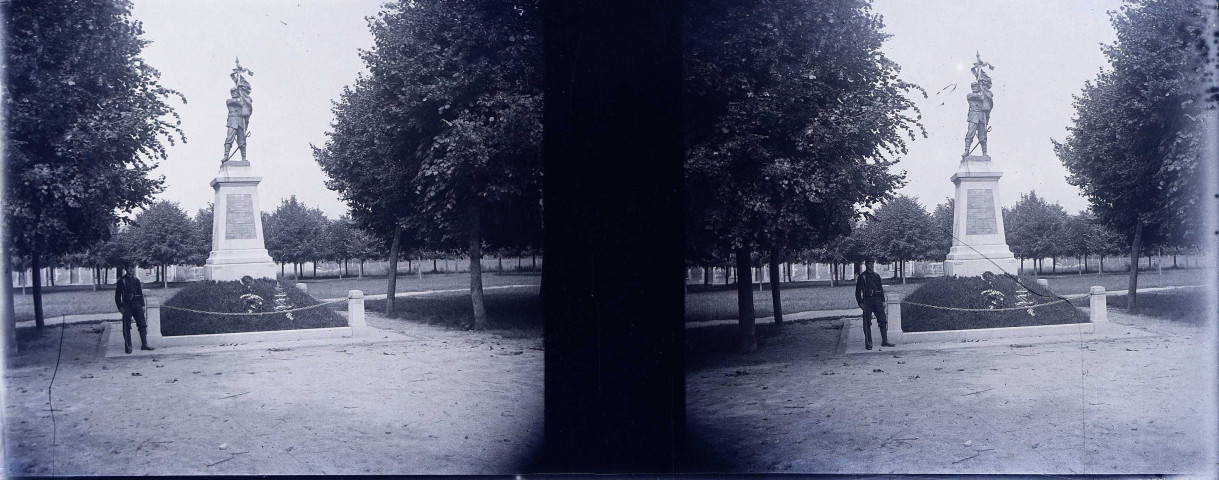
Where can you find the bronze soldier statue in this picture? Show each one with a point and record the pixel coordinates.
(240, 107)
(981, 100)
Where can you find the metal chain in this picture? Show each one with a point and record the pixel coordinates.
(254, 314)
(1009, 309)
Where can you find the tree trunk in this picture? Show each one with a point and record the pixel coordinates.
(476, 270)
(1102, 264)
(10, 308)
(775, 297)
(535, 262)
(1132, 292)
(744, 302)
(500, 259)
(706, 276)
(164, 276)
(281, 270)
(391, 289)
(361, 268)
(434, 270)
(36, 271)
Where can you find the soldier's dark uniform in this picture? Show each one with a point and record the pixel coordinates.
(870, 295)
(129, 298)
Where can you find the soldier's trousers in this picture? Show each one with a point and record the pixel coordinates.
(134, 311)
(874, 306)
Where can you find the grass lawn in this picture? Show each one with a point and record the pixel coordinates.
(970, 294)
(60, 301)
(74, 302)
(1187, 305)
(720, 304)
(228, 297)
(335, 288)
(515, 312)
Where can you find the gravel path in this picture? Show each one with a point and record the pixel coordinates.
(451, 402)
(1117, 406)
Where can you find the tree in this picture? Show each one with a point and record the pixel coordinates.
(365, 246)
(1135, 146)
(338, 246)
(293, 233)
(85, 119)
(202, 231)
(454, 94)
(793, 117)
(1034, 228)
(903, 231)
(942, 219)
(161, 235)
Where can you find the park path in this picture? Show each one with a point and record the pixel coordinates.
(1083, 406)
(447, 402)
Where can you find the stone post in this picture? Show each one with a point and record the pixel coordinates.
(1098, 305)
(355, 313)
(893, 310)
(304, 288)
(153, 317)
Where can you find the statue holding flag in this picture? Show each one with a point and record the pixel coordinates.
(240, 107)
(981, 100)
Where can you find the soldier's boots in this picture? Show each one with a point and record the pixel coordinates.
(127, 340)
(867, 338)
(143, 342)
(884, 337)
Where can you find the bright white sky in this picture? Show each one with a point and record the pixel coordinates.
(303, 52)
(1042, 50)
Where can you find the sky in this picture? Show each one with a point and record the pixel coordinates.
(1043, 52)
(304, 52)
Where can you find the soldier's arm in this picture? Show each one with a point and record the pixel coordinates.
(859, 288)
(118, 293)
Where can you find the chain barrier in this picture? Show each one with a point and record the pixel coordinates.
(1064, 299)
(255, 314)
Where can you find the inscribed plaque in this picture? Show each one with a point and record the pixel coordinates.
(239, 216)
(980, 216)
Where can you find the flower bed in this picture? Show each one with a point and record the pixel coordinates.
(238, 297)
(984, 303)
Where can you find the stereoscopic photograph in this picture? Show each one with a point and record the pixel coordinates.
(517, 237)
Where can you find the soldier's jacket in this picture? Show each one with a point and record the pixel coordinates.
(128, 291)
(868, 287)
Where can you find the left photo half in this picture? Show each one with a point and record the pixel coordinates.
(272, 238)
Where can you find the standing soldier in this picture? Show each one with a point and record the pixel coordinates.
(870, 295)
(129, 297)
(240, 106)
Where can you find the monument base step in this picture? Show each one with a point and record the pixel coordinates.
(977, 266)
(234, 271)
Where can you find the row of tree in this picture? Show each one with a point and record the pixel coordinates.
(163, 235)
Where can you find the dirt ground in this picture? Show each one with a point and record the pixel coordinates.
(1139, 405)
(447, 402)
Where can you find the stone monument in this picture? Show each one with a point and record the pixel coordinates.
(238, 249)
(979, 242)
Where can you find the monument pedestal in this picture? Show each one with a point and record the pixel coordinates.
(238, 249)
(980, 243)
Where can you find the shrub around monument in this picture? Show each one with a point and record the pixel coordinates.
(982, 301)
(227, 297)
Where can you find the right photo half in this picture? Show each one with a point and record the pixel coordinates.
(946, 237)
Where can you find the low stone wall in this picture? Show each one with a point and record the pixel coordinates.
(356, 327)
(1097, 313)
